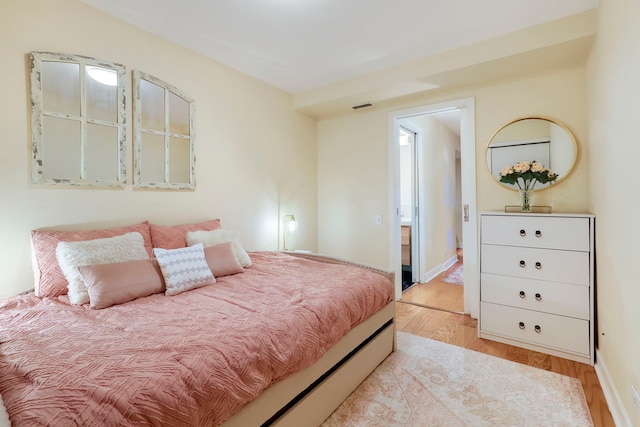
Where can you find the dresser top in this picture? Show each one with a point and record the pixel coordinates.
(557, 214)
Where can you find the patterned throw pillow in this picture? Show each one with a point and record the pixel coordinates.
(184, 268)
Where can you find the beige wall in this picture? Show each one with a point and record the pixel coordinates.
(614, 133)
(353, 161)
(353, 187)
(256, 158)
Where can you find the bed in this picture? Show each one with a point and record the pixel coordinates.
(282, 343)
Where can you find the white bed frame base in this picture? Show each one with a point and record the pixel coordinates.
(326, 396)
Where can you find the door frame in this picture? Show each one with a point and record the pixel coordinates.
(418, 246)
(468, 189)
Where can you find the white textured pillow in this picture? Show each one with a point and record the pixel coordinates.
(127, 247)
(184, 268)
(216, 237)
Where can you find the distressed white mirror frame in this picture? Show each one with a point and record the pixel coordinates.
(93, 154)
(164, 156)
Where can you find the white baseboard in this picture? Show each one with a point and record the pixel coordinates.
(618, 413)
(448, 263)
(431, 274)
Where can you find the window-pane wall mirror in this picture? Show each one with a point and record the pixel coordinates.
(533, 138)
(163, 135)
(77, 121)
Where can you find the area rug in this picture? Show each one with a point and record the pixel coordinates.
(429, 383)
(456, 276)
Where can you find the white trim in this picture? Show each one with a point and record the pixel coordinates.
(433, 273)
(468, 167)
(614, 402)
(417, 227)
(450, 262)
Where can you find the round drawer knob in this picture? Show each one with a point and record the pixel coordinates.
(523, 233)
(521, 325)
(523, 264)
(538, 297)
(538, 329)
(538, 265)
(538, 233)
(522, 294)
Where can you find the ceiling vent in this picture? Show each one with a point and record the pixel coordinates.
(365, 105)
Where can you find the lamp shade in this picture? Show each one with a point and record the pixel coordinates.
(290, 226)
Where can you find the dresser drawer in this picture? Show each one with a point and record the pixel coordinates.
(549, 330)
(549, 297)
(536, 232)
(539, 264)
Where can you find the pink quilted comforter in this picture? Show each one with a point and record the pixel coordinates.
(191, 359)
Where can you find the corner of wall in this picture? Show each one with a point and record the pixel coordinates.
(616, 407)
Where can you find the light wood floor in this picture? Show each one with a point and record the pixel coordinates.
(462, 330)
(438, 294)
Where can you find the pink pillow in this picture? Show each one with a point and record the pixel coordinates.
(48, 278)
(222, 259)
(173, 236)
(110, 284)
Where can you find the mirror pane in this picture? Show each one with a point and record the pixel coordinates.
(163, 135)
(178, 115)
(101, 156)
(78, 127)
(102, 93)
(562, 158)
(179, 160)
(152, 158)
(151, 105)
(523, 130)
(502, 156)
(61, 87)
(529, 139)
(61, 156)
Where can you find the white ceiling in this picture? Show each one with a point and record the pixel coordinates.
(300, 45)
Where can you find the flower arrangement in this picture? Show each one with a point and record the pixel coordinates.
(526, 174)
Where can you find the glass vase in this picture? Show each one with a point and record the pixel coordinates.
(526, 197)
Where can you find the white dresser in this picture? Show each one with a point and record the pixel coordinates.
(537, 281)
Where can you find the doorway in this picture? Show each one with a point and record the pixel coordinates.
(434, 262)
(410, 140)
(429, 201)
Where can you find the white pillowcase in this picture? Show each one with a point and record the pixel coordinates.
(184, 268)
(127, 247)
(216, 237)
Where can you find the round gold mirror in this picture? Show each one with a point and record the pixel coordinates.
(530, 139)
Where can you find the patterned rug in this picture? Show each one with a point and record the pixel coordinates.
(429, 383)
(456, 276)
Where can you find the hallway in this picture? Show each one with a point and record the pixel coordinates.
(437, 293)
